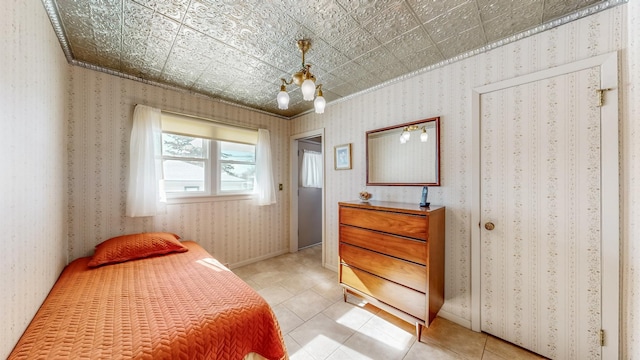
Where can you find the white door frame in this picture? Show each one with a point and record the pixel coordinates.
(609, 192)
(293, 188)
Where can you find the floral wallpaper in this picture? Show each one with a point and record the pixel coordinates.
(630, 180)
(32, 171)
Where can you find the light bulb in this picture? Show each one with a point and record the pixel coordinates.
(319, 104)
(283, 100)
(424, 136)
(406, 135)
(308, 89)
(402, 139)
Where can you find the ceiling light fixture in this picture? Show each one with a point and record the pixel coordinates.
(406, 133)
(305, 80)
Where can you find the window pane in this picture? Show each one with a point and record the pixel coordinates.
(181, 176)
(237, 177)
(183, 146)
(237, 152)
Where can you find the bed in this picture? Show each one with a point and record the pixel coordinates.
(180, 304)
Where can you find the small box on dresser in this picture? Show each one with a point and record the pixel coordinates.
(392, 255)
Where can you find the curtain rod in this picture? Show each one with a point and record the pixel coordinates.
(226, 122)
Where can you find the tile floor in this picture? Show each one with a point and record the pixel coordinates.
(317, 324)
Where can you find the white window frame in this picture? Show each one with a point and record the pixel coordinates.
(213, 173)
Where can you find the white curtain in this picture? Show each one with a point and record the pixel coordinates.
(265, 186)
(144, 194)
(311, 172)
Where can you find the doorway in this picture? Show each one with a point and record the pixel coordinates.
(310, 165)
(307, 204)
(546, 209)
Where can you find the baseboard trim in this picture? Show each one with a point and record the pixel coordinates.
(455, 318)
(259, 258)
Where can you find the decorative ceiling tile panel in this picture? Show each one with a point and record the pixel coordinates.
(174, 9)
(158, 50)
(355, 43)
(554, 9)
(391, 23)
(427, 10)
(324, 22)
(348, 71)
(391, 71)
(363, 10)
(377, 58)
(345, 89)
(164, 28)
(422, 59)
(409, 42)
(238, 50)
(464, 41)
(210, 19)
(518, 20)
(137, 18)
(490, 9)
(459, 19)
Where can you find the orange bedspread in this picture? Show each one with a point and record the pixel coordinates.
(177, 306)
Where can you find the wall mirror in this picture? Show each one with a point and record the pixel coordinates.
(406, 154)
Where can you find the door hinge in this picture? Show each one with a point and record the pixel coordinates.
(600, 93)
(601, 337)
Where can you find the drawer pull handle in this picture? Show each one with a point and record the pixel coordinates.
(489, 226)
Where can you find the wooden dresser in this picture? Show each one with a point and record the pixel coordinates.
(392, 255)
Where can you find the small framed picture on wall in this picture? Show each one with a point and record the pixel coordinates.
(342, 157)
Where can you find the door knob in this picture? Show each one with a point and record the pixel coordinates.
(489, 226)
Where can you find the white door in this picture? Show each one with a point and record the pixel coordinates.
(541, 215)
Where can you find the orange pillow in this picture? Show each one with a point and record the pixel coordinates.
(135, 246)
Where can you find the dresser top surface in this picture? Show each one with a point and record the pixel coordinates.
(392, 206)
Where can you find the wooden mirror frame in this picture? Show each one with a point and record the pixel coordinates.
(399, 128)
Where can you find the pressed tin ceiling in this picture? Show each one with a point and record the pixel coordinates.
(237, 51)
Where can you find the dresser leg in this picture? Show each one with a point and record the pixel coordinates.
(419, 331)
(344, 294)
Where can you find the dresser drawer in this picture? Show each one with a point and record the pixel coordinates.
(403, 248)
(400, 271)
(410, 301)
(414, 226)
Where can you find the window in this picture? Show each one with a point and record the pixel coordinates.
(202, 158)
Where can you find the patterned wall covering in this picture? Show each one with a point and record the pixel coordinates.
(446, 92)
(32, 172)
(100, 109)
(630, 136)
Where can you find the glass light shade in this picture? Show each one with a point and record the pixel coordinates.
(308, 89)
(283, 100)
(319, 104)
(424, 136)
(406, 135)
(402, 139)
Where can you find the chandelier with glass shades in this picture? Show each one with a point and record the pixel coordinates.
(306, 81)
(406, 133)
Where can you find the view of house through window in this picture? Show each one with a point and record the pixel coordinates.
(199, 166)
(184, 161)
